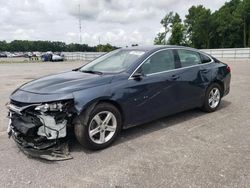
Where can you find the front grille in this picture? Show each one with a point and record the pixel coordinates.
(25, 124)
(20, 108)
(23, 118)
(19, 104)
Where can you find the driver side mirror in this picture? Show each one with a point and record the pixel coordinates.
(137, 76)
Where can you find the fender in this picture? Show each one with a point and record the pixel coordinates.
(84, 98)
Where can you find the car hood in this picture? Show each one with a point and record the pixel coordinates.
(66, 82)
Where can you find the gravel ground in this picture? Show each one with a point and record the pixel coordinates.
(190, 149)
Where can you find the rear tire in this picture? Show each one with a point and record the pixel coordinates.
(103, 125)
(212, 98)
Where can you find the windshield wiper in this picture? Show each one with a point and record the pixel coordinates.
(92, 72)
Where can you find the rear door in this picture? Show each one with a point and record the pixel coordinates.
(155, 94)
(195, 75)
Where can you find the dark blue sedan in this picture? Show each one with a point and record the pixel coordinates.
(121, 89)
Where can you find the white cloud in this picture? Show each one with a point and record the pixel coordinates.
(24, 34)
(131, 15)
(119, 22)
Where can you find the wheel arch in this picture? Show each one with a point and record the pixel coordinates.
(86, 110)
(220, 83)
(114, 103)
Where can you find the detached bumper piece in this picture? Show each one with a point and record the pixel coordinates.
(39, 134)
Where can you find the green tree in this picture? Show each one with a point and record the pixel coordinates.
(105, 48)
(244, 12)
(160, 39)
(227, 26)
(177, 31)
(174, 27)
(166, 23)
(3, 46)
(198, 25)
(43, 46)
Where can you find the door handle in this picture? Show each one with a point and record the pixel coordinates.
(204, 70)
(175, 77)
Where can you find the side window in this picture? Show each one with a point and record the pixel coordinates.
(159, 62)
(189, 58)
(205, 59)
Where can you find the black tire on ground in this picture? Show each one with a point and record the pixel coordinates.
(81, 129)
(206, 107)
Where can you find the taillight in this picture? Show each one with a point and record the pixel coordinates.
(228, 69)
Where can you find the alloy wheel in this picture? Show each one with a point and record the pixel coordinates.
(214, 98)
(102, 127)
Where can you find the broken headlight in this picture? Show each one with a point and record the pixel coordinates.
(50, 107)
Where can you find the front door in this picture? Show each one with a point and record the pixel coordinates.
(155, 94)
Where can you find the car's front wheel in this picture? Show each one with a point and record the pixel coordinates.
(103, 125)
(212, 98)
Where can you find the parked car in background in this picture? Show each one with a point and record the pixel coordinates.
(56, 57)
(3, 55)
(50, 56)
(121, 89)
(28, 54)
(9, 54)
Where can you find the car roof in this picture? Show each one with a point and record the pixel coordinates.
(157, 47)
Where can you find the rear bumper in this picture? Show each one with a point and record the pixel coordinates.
(226, 91)
(227, 82)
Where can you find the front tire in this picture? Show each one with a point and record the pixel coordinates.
(103, 125)
(212, 98)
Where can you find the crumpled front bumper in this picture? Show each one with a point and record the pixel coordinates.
(24, 128)
(52, 151)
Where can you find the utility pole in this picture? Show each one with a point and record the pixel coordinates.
(99, 46)
(80, 23)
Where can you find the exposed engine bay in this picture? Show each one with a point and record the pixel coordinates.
(40, 130)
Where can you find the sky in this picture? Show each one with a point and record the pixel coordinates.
(118, 22)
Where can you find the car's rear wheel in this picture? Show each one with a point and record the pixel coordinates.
(103, 125)
(212, 98)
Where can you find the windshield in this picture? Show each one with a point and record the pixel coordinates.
(113, 62)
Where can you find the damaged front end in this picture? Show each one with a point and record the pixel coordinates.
(40, 130)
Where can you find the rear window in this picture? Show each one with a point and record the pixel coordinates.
(205, 58)
(189, 58)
